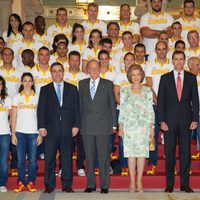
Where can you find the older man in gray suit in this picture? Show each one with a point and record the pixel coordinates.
(98, 121)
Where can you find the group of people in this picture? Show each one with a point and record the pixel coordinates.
(85, 84)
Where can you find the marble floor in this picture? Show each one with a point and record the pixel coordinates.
(113, 195)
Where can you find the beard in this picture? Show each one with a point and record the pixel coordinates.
(156, 10)
(189, 14)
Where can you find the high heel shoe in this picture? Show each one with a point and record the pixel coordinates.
(131, 188)
(140, 188)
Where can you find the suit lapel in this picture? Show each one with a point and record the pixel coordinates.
(54, 95)
(173, 81)
(65, 93)
(98, 91)
(184, 85)
(87, 87)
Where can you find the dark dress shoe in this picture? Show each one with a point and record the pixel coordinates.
(89, 190)
(186, 189)
(48, 190)
(169, 189)
(104, 191)
(68, 189)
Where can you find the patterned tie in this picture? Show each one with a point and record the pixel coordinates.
(58, 92)
(92, 90)
(179, 86)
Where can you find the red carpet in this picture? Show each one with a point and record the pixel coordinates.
(122, 182)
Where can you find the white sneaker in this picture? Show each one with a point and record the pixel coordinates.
(3, 189)
(162, 139)
(42, 156)
(81, 172)
(111, 170)
(60, 172)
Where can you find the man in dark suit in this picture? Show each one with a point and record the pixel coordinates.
(178, 111)
(58, 122)
(98, 120)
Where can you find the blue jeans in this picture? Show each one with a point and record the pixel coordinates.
(113, 136)
(40, 149)
(112, 143)
(26, 141)
(198, 136)
(4, 149)
(13, 150)
(78, 143)
(153, 155)
(123, 161)
(194, 135)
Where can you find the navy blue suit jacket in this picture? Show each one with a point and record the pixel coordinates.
(170, 110)
(55, 118)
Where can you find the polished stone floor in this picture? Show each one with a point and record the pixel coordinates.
(113, 195)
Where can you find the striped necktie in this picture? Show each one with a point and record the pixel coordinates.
(92, 90)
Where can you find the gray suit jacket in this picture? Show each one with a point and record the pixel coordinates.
(98, 116)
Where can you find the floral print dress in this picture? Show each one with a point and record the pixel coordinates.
(136, 115)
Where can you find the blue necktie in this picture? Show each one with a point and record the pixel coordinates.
(58, 92)
(92, 90)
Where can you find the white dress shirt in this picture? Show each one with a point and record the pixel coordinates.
(181, 75)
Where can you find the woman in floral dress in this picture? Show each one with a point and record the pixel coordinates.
(136, 124)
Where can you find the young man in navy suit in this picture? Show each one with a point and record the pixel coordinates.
(178, 113)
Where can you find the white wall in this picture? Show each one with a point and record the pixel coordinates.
(17, 7)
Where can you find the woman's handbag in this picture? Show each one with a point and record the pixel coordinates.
(152, 144)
